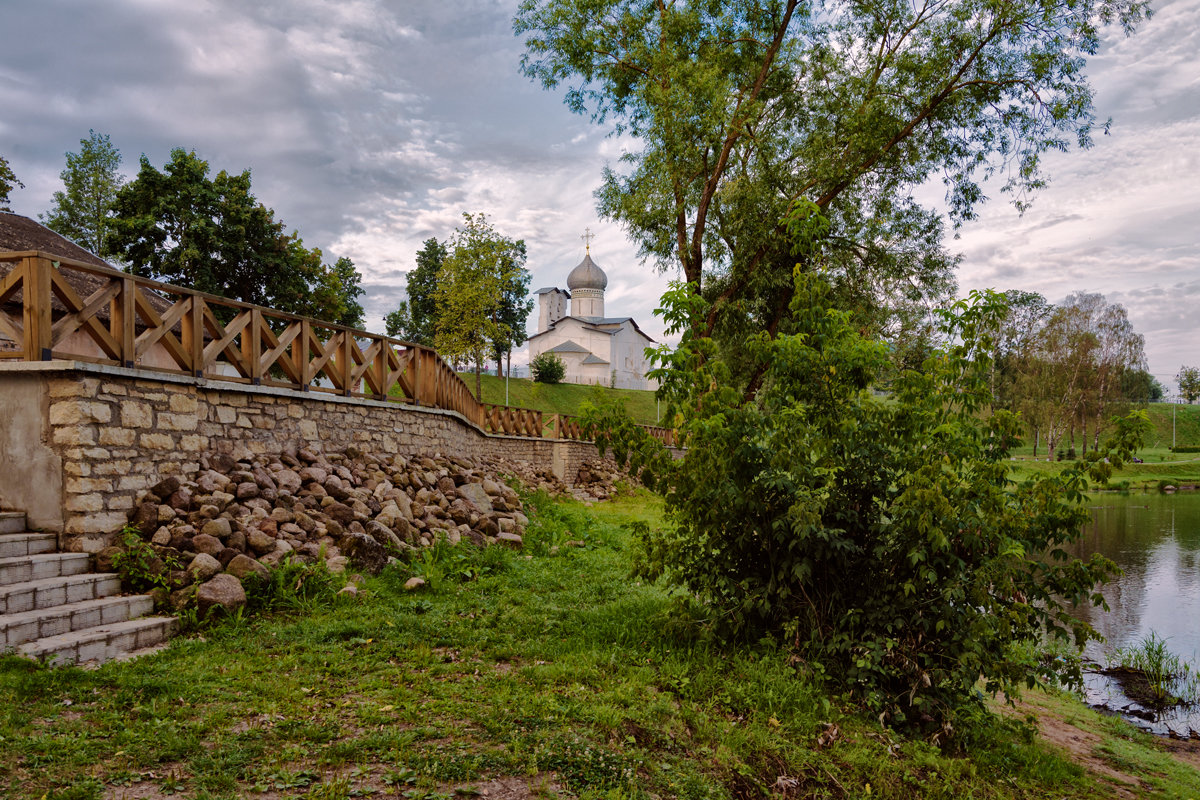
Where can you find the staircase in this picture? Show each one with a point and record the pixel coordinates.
(54, 608)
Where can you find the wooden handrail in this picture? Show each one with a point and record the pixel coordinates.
(136, 322)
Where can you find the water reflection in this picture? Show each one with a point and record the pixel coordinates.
(1155, 539)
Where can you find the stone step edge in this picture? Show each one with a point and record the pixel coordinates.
(11, 561)
(94, 582)
(46, 583)
(21, 617)
(7, 518)
(72, 641)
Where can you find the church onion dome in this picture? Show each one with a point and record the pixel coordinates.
(587, 276)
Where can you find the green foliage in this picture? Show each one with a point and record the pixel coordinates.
(738, 111)
(139, 565)
(877, 538)
(416, 318)
(1189, 383)
(292, 587)
(8, 182)
(82, 211)
(547, 367)
(1154, 676)
(1185, 449)
(480, 293)
(211, 234)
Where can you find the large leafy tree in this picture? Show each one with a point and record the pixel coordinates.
(8, 182)
(742, 110)
(481, 278)
(416, 318)
(878, 540)
(180, 226)
(82, 210)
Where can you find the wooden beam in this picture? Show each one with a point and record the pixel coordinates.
(83, 315)
(36, 294)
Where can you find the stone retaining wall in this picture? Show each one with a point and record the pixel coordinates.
(79, 442)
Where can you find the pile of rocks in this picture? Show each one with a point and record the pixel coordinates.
(243, 514)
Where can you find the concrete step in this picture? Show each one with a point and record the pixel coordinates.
(27, 544)
(100, 644)
(49, 592)
(46, 565)
(29, 626)
(12, 521)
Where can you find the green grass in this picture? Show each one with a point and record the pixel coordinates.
(563, 398)
(548, 665)
(1160, 467)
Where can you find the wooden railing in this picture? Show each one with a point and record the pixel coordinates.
(140, 323)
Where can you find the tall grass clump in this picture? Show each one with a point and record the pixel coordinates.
(1154, 676)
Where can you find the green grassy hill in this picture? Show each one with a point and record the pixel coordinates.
(1187, 424)
(563, 398)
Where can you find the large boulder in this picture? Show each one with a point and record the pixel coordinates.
(203, 567)
(475, 494)
(223, 592)
(364, 551)
(241, 566)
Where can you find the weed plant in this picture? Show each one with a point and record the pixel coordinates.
(1154, 676)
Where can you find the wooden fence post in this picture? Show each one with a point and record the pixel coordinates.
(36, 295)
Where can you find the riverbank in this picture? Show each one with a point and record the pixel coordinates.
(539, 673)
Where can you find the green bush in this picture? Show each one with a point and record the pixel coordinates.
(1189, 448)
(548, 368)
(878, 539)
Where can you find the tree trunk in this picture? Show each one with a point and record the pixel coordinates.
(478, 378)
(1037, 440)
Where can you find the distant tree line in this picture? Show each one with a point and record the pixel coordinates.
(1068, 369)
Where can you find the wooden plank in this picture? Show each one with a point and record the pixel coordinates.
(122, 320)
(36, 294)
(278, 346)
(159, 329)
(406, 374)
(83, 315)
(324, 352)
(300, 358)
(223, 337)
(368, 370)
(349, 346)
(14, 331)
(11, 282)
(192, 336)
(252, 346)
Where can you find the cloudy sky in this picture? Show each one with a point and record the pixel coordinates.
(370, 126)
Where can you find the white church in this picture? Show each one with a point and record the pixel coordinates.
(609, 351)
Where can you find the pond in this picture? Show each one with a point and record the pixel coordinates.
(1155, 539)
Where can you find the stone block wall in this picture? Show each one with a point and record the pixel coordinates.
(81, 440)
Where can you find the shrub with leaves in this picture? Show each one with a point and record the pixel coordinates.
(548, 368)
(878, 538)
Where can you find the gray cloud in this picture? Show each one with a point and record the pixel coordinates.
(371, 125)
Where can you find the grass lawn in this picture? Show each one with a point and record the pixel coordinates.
(1160, 467)
(563, 398)
(541, 673)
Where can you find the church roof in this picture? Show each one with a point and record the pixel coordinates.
(549, 289)
(594, 359)
(569, 347)
(605, 325)
(587, 275)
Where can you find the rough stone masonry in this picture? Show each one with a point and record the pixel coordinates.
(79, 442)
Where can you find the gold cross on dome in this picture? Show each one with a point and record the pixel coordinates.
(587, 239)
